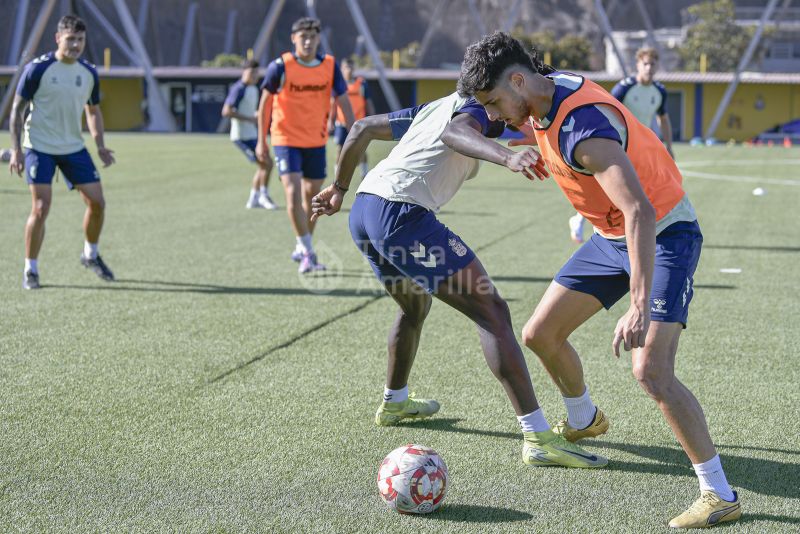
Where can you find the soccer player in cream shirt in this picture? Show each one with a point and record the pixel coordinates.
(59, 86)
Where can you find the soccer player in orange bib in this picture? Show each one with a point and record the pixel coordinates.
(360, 101)
(615, 172)
(295, 105)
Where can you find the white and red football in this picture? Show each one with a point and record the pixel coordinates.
(412, 479)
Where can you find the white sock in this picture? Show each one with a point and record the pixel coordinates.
(305, 244)
(533, 422)
(395, 395)
(263, 191)
(31, 265)
(90, 250)
(364, 169)
(580, 410)
(712, 477)
(253, 194)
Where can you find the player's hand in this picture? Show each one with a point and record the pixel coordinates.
(632, 329)
(529, 162)
(528, 139)
(106, 155)
(331, 128)
(262, 151)
(17, 162)
(326, 202)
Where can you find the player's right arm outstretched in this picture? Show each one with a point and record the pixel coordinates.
(329, 200)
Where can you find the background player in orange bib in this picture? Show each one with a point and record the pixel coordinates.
(360, 101)
(294, 109)
(615, 172)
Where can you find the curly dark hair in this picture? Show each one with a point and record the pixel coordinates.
(71, 23)
(487, 59)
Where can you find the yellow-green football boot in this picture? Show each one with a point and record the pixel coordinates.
(707, 511)
(548, 448)
(391, 413)
(599, 426)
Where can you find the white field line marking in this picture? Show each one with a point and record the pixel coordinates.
(747, 179)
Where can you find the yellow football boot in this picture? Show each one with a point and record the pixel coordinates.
(548, 448)
(391, 413)
(599, 426)
(707, 511)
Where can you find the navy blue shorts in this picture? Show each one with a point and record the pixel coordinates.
(77, 168)
(402, 240)
(310, 162)
(340, 134)
(248, 146)
(601, 268)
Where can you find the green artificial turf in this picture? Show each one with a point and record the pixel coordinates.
(212, 389)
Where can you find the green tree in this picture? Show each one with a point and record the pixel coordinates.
(716, 35)
(224, 60)
(571, 51)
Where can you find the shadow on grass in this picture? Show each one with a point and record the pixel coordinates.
(748, 518)
(159, 286)
(477, 514)
(764, 248)
(449, 425)
(762, 476)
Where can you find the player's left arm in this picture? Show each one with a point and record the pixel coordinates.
(94, 119)
(665, 125)
(464, 135)
(608, 162)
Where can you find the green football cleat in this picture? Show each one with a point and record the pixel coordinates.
(391, 413)
(548, 448)
(599, 426)
(708, 511)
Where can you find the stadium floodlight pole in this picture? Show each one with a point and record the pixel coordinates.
(476, 17)
(19, 28)
(267, 27)
(107, 27)
(311, 11)
(188, 34)
(745, 59)
(230, 31)
(648, 24)
(161, 119)
(433, 27)
(141, 20)
(606, 24)
(27, 54)
(513, 16)
(363, 29)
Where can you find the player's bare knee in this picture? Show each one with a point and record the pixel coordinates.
(654, 380)
(41, 208)
(541, 340)
(97, 205)
(494, 315)
(416, 310)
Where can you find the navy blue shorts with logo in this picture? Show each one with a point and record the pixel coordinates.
(340, 134)
(311, 162)
(77, 168)
(601, 267)
(248, 147)
(402, 240)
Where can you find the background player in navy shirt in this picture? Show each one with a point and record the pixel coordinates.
(59, 86)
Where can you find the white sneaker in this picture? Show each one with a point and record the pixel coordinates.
(253, 203)
(265, 202)
(576, 227)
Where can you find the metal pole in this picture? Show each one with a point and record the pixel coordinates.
(267, 27)
(748, 54)
(604, 22)
(513, 16)
(27, 54)
(109, 29)
(476, 17)
(433, 27)
(648, 24)
(141, 21)
(363, 29)
(160, 116)
(188, 34)
(19, 28)
(230, 30)
(312, 12)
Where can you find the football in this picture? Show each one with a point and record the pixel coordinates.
(412, 479)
